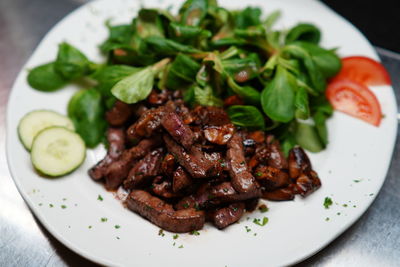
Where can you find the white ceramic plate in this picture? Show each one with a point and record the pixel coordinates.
(296, 229)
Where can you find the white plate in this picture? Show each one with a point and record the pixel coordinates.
(296, 229)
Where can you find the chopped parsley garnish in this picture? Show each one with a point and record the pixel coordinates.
(371, 194)
(196, 206)
(235, 208)
(186, 205)
(194, 232)
(247, 228)
(103, 219)
(345, 205)
(338, 213)
(100, 198)
(263, 208)
(51, 205)
(174, 244)
(161, 232)
(117, 226)
(63, 206)
(223, 164)
(259, 222)
(357, 181)
(64, 199)
(175, 236)
(242, 163)
(354, 206)
(255, 234)
(258, 174)
(117, 237)
(327, 202)
(90, 227)
(327, 219)
(225, 190)
(181, 246)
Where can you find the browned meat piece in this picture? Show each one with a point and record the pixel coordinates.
(178, 130)
(148, 123)
(116, 141)
(271, 178)
(211, 116)
(119, 113)
(251, 204)
(163, 215)
(298, 162)
(276, 158)
(242, 180)
(144, 170)
(180, 180)
(219, 135)
(307, 183)
(168, 165)
(226, 216)
(118, 170)
(261, 155)
(163, 188)
(194, 162)
(187, 202)
(225, 192)
(281, 194)
(158, 98)
(257, 136)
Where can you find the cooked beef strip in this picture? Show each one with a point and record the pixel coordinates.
(251, 204)
(118, 170)
(158, 98)
(242, 180)
(298, 162)
(163, 188)
(225, 192)
(226, 216)
(276, 158)
(180, 180)
(168, 165)
(178, 130)
(163, 215)
(271, 178)
(211, 116)
(307, 183)
(145, 170)
(281, 194)
(148, 123)
(186, 202)
(120, 113)
(116, 145)
(219, 135)
(194, 162)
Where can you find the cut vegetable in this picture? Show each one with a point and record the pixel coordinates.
(57, 151)
(35, 121)
(355, 100)
(363, 70)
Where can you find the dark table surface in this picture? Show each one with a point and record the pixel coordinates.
(372, 241)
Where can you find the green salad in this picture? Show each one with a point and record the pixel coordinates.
(268, 79)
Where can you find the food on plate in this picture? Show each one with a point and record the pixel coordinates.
(202, 113)
(57, 151)
(184, 166)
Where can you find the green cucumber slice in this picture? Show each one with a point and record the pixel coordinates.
(57, 151)
(35, 121)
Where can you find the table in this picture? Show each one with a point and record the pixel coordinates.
(373, 240)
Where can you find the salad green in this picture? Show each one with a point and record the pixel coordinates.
(210, 53)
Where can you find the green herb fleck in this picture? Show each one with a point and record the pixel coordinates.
(354, 206)
(181, 246)
(194, 232)
(100, 198)
(63, 206)
(186, 205)
(259, 222)
(258, 174)
(255, 234)
(247, 228)
(64, 199)
(175, 236)
(327, 219)
(263, 208)
(103, 219)
(371, 194)
(117, 226)
(327, 202)
(161, 232)
(345, 205)
(90, 227)
(338, 213)
(242, 163)
(357, 181)
(117, 237)
(174, 244)
(51, 205)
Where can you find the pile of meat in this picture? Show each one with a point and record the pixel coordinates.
(182, 167)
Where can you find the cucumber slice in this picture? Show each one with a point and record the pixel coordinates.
(35, 121)
(57, 151)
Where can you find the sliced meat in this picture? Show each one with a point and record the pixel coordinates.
(178, 130)
(211, 116)
(163, 215)
(119, 114)
(145, 170)
(180, 180)
(256, 136)
(225, 192)
(116, 145)
(168, 165)
(281, 194)
(158, 98)
(148, 123)
(118, 170)
(223, 217)
(194, 162)
(271, 178)
(307, 183)
(187, 202)
(251, 204)
(298, 162)
(276, 158)
(163, 188)
(219, 135)
(242, 180)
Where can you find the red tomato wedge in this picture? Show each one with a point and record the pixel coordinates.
(363, 70)
(355, 100)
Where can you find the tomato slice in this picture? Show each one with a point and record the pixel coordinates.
(355, 100)
(363, 70)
